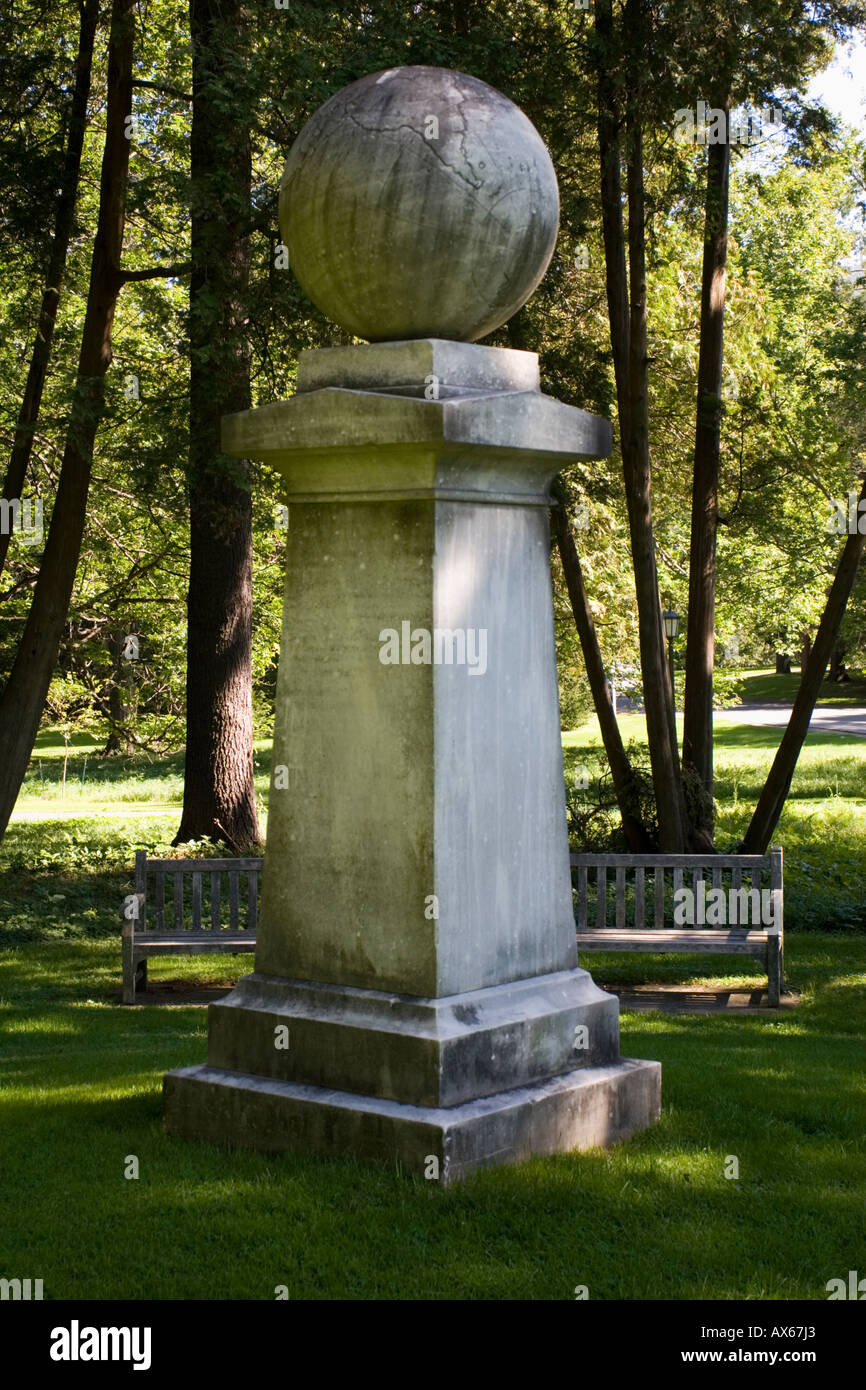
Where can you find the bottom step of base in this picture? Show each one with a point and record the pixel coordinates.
(588, 1108)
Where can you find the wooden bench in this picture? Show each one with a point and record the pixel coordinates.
(150, 929)
(621, 916)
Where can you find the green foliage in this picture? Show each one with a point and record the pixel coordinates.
(795, 326)
(594, 822)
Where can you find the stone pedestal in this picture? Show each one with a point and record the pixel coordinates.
(416, 992)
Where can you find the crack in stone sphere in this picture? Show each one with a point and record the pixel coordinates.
(419, 203)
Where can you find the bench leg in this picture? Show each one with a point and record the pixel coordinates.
(134, 973)
(774, 970)
(128, 969)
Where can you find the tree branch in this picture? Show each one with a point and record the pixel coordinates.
(161, 87)
(155, 272)
(671, 562)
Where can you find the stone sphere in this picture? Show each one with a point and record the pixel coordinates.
(419, 203)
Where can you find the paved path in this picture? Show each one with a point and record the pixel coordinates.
(826, 719)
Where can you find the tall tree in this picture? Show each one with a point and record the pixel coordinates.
(621, 771)
(64, 217)
(741, 55)
(24, 695)
(620, 91)
(778, 783)
(219, 792)
(700, 648)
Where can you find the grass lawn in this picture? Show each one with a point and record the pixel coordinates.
(80, 1090)
(652, 1219)
(766, 687)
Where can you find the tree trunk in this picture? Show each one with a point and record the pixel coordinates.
(28, 415)
(658, 691)
(23, 699)
(778, 783)
(219, 794)
(837, 664)
(783, 664)
(805, 651)
(700, 646)
(636, 834)
(629, 349)
(119, 713)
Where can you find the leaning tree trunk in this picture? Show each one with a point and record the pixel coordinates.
(24, 696)
(778, 783)
(700, 646)
(219, 794)
(639, 841)
(22, 443)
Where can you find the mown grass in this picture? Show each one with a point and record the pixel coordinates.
(766, 687)
(652, 1219)
(80, 1091)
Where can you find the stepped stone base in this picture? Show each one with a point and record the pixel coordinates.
(593, 1106)
(421, 1051)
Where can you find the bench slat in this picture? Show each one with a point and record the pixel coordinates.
(620, 897)
(191, 866)
(673, 861)
(196, 902)
(659, 908)
(601, 896)
(160, 902)
(233, 902)
(582, 874)
(215, 900)
(639, 890)
(141, 889)
(701, 941)
(252, 899)
(191, 944)
(178, 902)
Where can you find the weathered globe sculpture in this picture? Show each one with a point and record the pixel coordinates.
(419, 203)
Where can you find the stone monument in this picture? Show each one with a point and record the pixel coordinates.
(416, 997)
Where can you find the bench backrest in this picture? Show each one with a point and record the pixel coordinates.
(641, 890)
(205, 894)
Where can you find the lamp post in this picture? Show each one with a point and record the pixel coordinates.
(672, 622)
